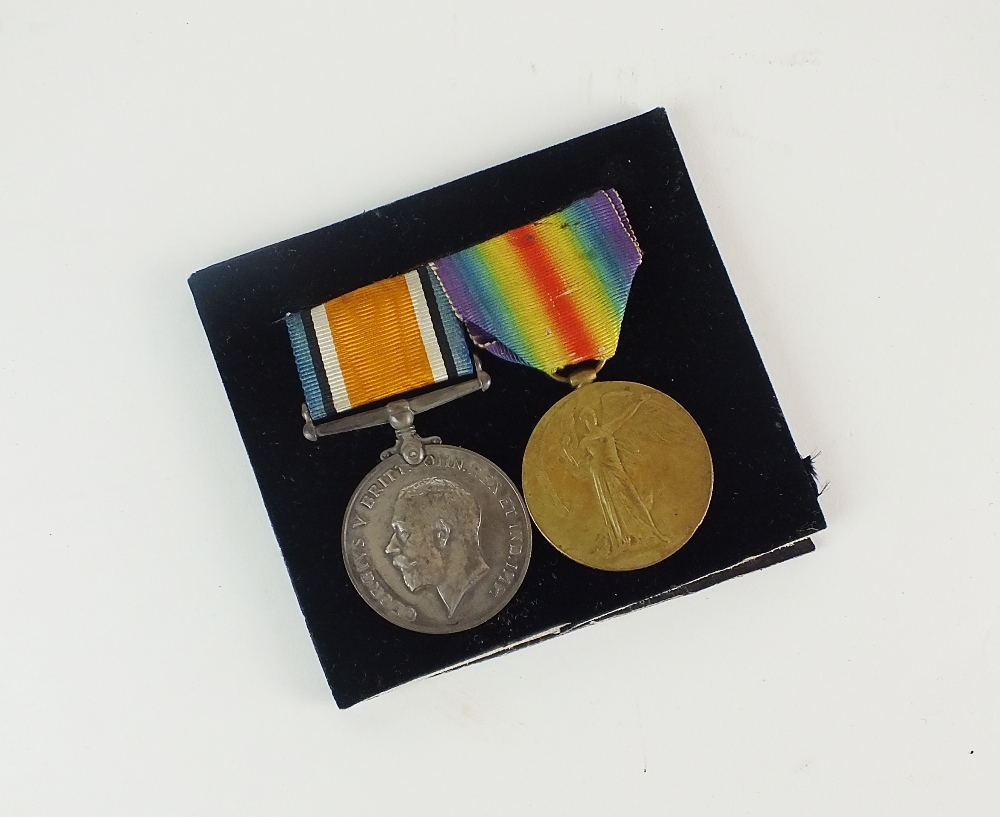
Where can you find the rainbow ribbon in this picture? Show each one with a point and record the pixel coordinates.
(551, 293)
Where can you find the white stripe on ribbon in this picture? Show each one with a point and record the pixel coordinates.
(331, 363)
(426, 326)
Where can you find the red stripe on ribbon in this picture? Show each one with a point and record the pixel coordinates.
(562, 307)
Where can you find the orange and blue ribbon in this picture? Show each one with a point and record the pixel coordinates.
(377, 342)
(552, 293)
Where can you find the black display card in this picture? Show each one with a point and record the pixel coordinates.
(684, 334)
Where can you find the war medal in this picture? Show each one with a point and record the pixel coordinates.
(617, 475)
(436, 538)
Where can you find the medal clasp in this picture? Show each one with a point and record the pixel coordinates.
(580, 374)
(409, 445)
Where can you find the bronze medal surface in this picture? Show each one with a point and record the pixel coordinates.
(617, 475)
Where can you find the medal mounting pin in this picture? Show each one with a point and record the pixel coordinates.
(399, 414)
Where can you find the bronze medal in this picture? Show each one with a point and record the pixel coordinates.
(617, 475)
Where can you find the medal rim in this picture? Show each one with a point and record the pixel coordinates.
(431, 448)
(573, 395)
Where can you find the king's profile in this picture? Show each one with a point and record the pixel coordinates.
(435, 539)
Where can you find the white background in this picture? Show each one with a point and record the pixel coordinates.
(153, 660)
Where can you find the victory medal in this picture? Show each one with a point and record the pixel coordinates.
(436, 538)
(617, 476)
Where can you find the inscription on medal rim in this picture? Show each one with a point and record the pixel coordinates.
(383, 481)
(389, 602)
(515, 547)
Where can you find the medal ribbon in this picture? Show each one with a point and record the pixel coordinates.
(379, 341)
(551, 293)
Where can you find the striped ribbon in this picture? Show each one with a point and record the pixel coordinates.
(549, 294)
(552, 293)
(379, 341)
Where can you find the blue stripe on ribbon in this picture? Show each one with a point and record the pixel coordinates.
(457, 347)
(306, 365)
(606, 247)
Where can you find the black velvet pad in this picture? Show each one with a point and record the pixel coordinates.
(684, 333)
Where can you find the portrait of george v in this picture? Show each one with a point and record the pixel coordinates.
(435, 539)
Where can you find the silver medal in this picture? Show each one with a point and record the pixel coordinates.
(436, 538)
(437, 547)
